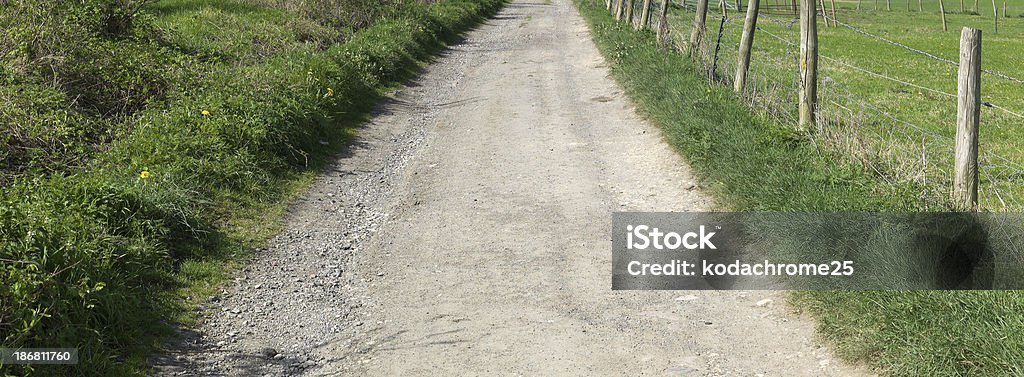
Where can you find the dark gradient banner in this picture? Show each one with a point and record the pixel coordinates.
(817, 251)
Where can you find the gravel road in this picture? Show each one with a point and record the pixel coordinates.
(465, 232)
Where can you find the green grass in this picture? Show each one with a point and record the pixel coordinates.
(752, 160)
(148, 150)
(925, 119)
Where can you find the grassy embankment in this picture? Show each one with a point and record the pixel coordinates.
(752, 161)
(148, 145)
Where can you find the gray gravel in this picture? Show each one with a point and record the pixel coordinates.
(301, 291)
(465, 232)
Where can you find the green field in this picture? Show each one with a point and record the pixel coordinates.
(901, 126)
(746, 151)
(147, 146)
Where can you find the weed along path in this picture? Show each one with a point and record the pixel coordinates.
(465, 232)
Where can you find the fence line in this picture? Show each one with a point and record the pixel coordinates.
(922, 52)
(879, 75)
(896, 149)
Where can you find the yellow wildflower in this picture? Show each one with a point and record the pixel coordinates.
(205, 113)
(330, 92)
(144, 174)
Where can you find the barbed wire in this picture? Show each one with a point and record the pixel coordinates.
(879, 75)
(1008, 111)
(893, 79)
(925, 53)
(877, 137)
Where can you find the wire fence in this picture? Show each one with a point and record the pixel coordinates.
(870, 131)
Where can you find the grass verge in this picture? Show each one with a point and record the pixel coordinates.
(752, 163)
(196, 125)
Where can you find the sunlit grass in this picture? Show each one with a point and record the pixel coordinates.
(752, 160)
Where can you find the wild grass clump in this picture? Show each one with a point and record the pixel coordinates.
(74, 72)
(350, 14)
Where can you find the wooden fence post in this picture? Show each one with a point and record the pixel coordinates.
(888, 5)
(823, 14)
(965, 183)
(629, 12)
(645, 14)
(834, 19)
(746, 42)
(663, 22)
(808, 64)
(618, 9)
(942, 11)
(697, 34)
(995, 15)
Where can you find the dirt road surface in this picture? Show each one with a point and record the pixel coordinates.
(466, 232)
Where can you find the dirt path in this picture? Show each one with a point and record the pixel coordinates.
(466, 233)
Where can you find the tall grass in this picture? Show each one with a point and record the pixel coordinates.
(138, 154)
(754, 162)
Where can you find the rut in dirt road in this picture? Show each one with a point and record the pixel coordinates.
(466, 233)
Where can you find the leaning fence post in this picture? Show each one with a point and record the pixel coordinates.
(965, 183)
(645, 14)
(942, 11)
(834, 19)
(663, 22)
(698, 27)
(824, 13)
(746, 41)
(808, 94)
(995, 15)
(629, 12)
